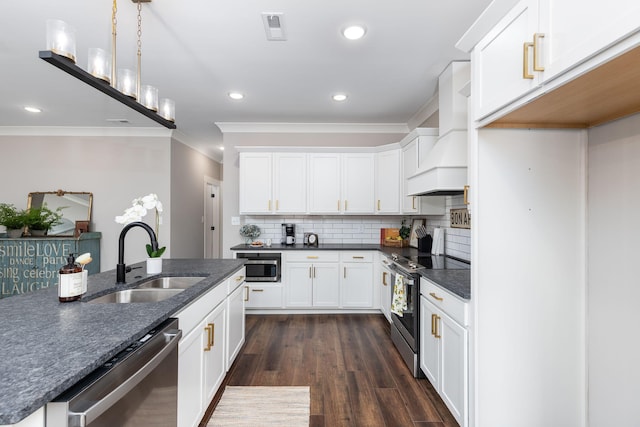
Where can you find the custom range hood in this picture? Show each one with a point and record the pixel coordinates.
(443, 168)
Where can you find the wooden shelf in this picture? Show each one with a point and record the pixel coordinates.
(609, 92)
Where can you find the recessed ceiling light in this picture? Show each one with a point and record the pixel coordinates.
(33, 109)
(354, 32)
(236, 95)
(339, 97)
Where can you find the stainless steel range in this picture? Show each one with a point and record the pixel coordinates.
(405, 325)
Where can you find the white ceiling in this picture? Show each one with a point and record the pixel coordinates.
(196, 51)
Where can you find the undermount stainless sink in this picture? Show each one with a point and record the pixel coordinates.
(136, 296)
(175, 282)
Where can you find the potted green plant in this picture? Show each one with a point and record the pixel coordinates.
(40, 220)
(13, 219)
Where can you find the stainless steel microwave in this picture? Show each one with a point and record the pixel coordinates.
(261, 266)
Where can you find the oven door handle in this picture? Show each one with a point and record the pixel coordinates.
(82, 419)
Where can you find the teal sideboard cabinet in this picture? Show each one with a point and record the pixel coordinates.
(31, 263)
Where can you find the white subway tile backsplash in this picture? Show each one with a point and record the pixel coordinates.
(363, 229)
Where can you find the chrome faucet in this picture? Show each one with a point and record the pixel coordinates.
(121, 268)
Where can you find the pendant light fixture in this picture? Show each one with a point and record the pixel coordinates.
(123, 85)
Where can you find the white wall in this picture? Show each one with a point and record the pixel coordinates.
(231, 236)
(528, 332)
(116, 169)
(614, 288)
(188, 169)
(457, 241)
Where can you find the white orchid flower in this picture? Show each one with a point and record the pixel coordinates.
(150, 201)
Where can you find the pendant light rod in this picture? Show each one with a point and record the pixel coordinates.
(70, 68)
(114, 24)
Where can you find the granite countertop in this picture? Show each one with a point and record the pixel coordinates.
(49, 346)
(455, 281)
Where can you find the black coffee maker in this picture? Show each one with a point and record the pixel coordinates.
(288, 234)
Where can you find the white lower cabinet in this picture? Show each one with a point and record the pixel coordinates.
(385, 286)
(259, 295)
(213, 333)
(356, 280)
(444, 348)
(312, 284)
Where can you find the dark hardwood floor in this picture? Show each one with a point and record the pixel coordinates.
(355, 374)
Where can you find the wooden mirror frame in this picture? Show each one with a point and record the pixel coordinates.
(35, 199)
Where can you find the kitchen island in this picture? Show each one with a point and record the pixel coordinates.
(49, 346)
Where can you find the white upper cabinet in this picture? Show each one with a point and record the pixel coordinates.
(412, 154)
(324, 183)
(538, 41)
(503, 60)
(290, 182)
(574, 31)
(358, 173)
(388, 182)
(256, 183)
(273, 183)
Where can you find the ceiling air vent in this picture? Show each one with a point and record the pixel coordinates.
(274, 25)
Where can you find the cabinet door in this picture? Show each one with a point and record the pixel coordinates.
(326, 285)
(388, 182)
(265, 295)
(255, 185)
(453, 370)
(358, 193)
(290, 182)
(324, 183)
(191, 377)
(499, 60)
(410, 204)
(429, 342)
(356, 285)
(574, 31)
(299, 277)
(235, 324)
(215, 352)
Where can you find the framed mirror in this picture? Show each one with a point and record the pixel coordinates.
(76, 207)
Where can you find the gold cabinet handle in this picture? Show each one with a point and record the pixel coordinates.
(345, 205)
(339, 205)
(536, 50)
(466, 195)
(357, 257)
(433, 324)
(312, 257)
(525, 62)
(213, 334)
(239, 278)
(246, 293)
(269, 205)
(344, 274)
(384, 278)
(436, 297)
(277, 204)
(209, 332)
(257, 290)
(413, 202)
(437, 332)
(378, 204)
(314, 272)
(310, 276)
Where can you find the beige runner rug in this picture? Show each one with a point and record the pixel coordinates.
(262, 406)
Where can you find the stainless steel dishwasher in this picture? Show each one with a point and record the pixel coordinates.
(137, 387)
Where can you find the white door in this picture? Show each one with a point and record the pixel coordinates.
(429, 342)
(356, 285)
(326, 285)
(211, 220)
(299, 284)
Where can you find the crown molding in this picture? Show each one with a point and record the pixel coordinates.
(256, 127)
